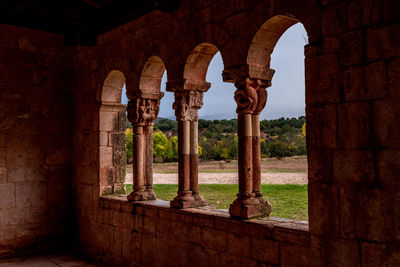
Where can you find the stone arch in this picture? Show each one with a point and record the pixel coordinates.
(153, 70)
(264, 41)
(143, 108)
(112, 87)
(112, 125)
(198, 61)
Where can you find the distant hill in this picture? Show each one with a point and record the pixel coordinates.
(221, 116)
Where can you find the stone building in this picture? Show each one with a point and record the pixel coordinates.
(62, 68)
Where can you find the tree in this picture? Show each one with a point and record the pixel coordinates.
(129, 144)
(279, 149)
(160, 145)
(199, 151)
(174, 148)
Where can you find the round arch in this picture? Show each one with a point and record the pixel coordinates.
(112, 87)
(198, 61)
(265, 39)
(152, 73)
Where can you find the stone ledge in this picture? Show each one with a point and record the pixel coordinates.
(284, 230)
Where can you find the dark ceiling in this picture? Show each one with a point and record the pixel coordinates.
(80, 21)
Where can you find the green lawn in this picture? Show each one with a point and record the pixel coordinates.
(233, 171)
(129, 170)
(288, 201)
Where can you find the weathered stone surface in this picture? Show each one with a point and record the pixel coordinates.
(365, 83)
(322, 126)
(265, 250)
(387, 123)
(214, 239)
(7, 195)
(323, 85)
(381, 42)
(353, 166)
(388, 167)
(61, 145)
(360, 135)
(340, 252)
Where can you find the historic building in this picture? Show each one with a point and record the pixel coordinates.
(62, 143)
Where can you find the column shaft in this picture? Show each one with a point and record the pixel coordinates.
(149, 161)
(256, 149)
(250, 98)
(245, 163)
(138, 160)
(142, 111)
(186, 105)
(184, 158)
(194, 183)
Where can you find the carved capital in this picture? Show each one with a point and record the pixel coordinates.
(186, 105)
(236, 73)
(251, 95)
(143, 111)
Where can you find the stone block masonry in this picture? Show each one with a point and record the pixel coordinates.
(351, 80)
(61, 145)
(196, 237)
(35, 141)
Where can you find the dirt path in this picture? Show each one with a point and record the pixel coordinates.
(229, 178)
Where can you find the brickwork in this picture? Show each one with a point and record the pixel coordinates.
(35, 140)
(352, 99)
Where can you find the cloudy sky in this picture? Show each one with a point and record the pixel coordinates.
(286, 96)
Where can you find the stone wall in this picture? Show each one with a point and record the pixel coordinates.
(35, 140)
(352, 99)
(157, 235)
(352, 132)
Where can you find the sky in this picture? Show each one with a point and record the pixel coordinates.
(286, 96)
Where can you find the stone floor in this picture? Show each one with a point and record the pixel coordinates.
(49, 260)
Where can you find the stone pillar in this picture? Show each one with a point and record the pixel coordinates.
(142, 111)
(186, 105)
(148, 129)
(256, 149)
(138, 164)
(194, 169)
(251, 97)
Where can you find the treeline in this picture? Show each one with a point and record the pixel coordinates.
(282, 137)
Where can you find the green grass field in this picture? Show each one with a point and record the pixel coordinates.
(288, 201)
(233, 171)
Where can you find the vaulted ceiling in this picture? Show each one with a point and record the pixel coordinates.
(80, 21)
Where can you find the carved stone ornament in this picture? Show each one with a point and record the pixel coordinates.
(142, 111)
(251, 95)
(186, 105)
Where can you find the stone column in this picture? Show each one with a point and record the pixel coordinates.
(256, 148)
(194, 169)
(148, 129)
(142, 111)
(138, 164)
(186, 105)
(251, 97)
(262, 96)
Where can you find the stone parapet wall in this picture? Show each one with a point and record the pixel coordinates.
(152, 233)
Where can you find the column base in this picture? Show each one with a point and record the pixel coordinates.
(141, 196)
(187, 200)
(151, 193)
(247, 207)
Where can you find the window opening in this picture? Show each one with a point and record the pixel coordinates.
(283, 141)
